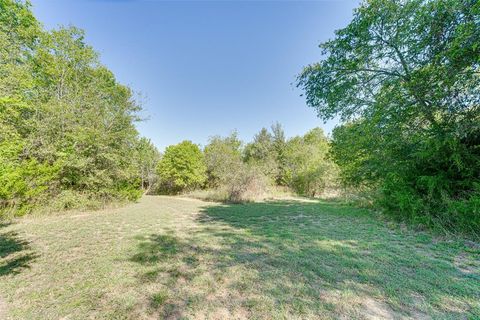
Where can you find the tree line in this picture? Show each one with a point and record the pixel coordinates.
(246, 172)
(403, 77)
(68, 137)
(67, 133)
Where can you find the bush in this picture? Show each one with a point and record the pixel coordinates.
(434, 208)
(465, 213)
(129, 190)
(25, 186)
(70, 200)
(246, 185)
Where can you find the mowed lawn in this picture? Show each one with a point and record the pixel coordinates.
(174, 258)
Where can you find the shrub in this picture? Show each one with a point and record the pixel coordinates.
(69, 199)
(25, 186)
(247, 184)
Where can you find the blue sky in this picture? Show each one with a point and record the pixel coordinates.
(207, 68)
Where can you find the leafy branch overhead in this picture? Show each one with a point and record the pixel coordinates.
(404, 76)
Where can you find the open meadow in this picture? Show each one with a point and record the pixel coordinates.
(178, 258)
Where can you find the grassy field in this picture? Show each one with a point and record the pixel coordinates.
(171, 258)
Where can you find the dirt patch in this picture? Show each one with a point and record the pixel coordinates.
(363, 307)
(3, 309)
(373, 309)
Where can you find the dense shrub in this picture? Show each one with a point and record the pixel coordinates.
(26, 184)
(261, 153)
(270, 160)
(232, 179)
(247, 184)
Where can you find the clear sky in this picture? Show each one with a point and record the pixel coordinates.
(208, 68)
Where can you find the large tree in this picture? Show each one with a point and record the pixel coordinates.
(411, 59)
(405, 76)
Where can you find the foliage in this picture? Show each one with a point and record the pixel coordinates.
(223, 156)
(262, 154)
(404, 76)
(182, 168)
(146, 159)
(247, 184)
(67, 126)
(267, 152)
(309, 171)
(300, 164)
(279, 144)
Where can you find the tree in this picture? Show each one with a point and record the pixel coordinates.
(222, 156)
(308, 169)
(279, 144)
(181, 168)
(266, 153)
(404, 77)
(67, 127)
(147, 158)
(417, 58)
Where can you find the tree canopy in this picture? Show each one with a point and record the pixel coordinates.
(404, 77)
(182, 168)
(223, 156)
(67, 126)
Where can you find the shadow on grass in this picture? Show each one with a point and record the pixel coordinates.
(14, 252)
(167, 260)
(308, 259)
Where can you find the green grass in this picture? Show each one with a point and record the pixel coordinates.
(167, 257)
